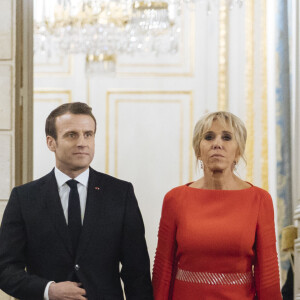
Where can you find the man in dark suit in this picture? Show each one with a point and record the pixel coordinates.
(64, 235)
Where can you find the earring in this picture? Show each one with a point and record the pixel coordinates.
(201, 164)
(234, 165)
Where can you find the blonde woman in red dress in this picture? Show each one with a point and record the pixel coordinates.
(216, 238)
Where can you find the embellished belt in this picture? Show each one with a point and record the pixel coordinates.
(215, 278)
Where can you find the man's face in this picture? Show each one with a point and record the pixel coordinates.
(75, 144)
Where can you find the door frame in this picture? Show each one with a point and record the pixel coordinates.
(24, 92)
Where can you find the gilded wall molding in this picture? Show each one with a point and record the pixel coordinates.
(68, 93)
(223, 57)
(117, 102)
(249, 76)
(264, 142)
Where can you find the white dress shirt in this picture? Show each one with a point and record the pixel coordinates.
(64, 191)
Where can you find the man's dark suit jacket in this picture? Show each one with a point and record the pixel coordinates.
(34, 235)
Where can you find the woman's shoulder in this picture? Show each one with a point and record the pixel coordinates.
(176, 191)
(175, 196)
(263, 197)
(261, 192)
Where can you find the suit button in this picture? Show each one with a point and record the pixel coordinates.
(77, 267)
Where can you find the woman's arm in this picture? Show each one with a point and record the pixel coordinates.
(266, 271)
(164, 264)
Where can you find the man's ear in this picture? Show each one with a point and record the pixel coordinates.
(51, 143)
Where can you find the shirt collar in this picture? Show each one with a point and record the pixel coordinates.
(62, 178)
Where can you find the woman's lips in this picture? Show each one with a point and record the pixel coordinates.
(217, 155)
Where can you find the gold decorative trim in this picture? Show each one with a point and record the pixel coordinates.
(61, 59)
(181, 143)
(107, 133)
(60, 100)
(45, 91)
(128, 74)
(223, 64)
(264, 154)
(69, 72)
(116, 136)
(117, 101)
(88, 94)
(100, 58)
(12, 162)
(249, 6)
(191, 164)
(142, 5)
(12, 95)
(10, 126)
(111, 92)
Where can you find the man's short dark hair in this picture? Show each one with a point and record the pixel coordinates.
(76, 108)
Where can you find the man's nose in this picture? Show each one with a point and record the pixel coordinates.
(81, 140)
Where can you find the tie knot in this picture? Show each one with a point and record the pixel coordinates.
(72, 183)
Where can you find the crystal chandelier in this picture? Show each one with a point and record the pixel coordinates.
(102, 29)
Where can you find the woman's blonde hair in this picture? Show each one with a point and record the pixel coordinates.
(227, 119)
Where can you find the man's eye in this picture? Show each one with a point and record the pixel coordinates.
(71, 135)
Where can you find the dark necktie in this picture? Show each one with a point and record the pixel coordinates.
(74, 214)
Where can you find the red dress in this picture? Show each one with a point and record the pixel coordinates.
(215, 245)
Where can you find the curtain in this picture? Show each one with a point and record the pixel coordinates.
(283, 126)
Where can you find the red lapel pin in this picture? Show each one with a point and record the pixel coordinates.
(97, 188)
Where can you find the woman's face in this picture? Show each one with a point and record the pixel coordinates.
(218, 148)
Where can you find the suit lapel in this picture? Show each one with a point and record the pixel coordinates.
(95, 210)
(55, 210)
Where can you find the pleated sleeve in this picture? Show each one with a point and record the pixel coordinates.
(165, 262)
(266, 271)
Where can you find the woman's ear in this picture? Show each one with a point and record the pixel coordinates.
(237, 156)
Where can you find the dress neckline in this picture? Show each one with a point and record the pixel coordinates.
(187, 185)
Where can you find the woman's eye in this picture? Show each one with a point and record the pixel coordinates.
(227, 137)
(208, 137)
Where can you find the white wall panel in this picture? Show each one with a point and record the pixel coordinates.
(57, 65)
(5, 165)
(6, 29)
(5, 99)
(5, 296)
(2, 207)
(149, 144)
